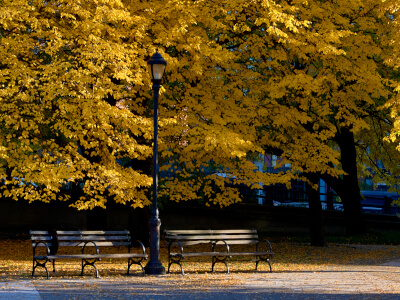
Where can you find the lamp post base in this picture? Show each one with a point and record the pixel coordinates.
(154, 268)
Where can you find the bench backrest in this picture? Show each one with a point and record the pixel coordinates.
(230, 236)
(78, 238)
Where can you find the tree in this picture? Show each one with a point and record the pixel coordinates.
(76, 108)
(317, 90)
(392, 60)
(62, 67)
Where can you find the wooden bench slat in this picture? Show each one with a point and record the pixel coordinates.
(250, 253)
(93, 238)
(38, 232)
(239, 242)
(41, 238)
(92, 232)
(41, 245)
(211, 237)
(98, 244)
(234, 242)
(191, 243)
(227, 231)
(81, 243)
(91, 256)
(122, 255)
(194, 254)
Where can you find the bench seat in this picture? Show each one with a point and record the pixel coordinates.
(193, 254)
(89, 256)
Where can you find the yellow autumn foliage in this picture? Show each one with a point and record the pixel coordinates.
(242, 77)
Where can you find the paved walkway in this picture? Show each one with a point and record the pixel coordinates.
(336, 282)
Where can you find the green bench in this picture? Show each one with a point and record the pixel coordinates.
(51, 241)
(259, 250)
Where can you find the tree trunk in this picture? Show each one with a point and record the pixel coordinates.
(350, 191)
(317, 226)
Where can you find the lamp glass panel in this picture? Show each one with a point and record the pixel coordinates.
(158, 71)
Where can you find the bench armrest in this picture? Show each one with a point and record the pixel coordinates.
(90, 242)
(267, 245)
(140, 246)
(170, 243)
(214, 244)
(45, 244)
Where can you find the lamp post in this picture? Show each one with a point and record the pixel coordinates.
(157, 66)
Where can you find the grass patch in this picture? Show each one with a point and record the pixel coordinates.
(371, 237)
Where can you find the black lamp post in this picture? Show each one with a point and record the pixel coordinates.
(157, 66)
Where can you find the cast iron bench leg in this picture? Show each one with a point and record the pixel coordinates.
(178, 262)
(131, 262)
(38, 264)
(216, 259)
(89, 263)
(259, 259)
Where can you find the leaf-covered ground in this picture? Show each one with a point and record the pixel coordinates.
(16, 261)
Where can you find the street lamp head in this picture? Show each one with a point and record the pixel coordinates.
(157, 66)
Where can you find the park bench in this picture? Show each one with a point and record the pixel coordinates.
(178, 239)
(88, 242)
